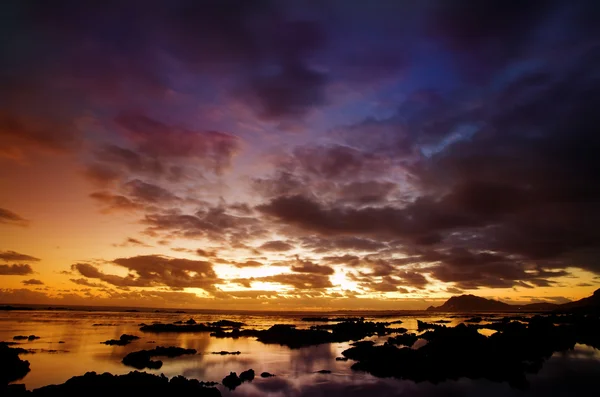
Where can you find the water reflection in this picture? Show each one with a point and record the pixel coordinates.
(566, 373)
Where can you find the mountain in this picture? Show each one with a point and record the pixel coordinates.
(472, 303)
(466, 303)
(589, 303)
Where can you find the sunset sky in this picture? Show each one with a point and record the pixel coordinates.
(305, 155)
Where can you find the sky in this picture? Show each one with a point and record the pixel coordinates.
(298, 155)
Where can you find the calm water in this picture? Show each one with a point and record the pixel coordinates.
(570, 373)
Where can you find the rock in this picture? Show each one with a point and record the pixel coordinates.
(159, 327)
(247, 376)
(134, 383)
(227, 323)
(191, 321)
(517, 349)
(224, 353)
(341, 359)
(422, 326)
(143, 358)
(474, 320)
(25, 337)
(122, 341)
(403, 340)
(231, 381)
(266, 375)
(11, 366)
(324, 371)
(288, 335)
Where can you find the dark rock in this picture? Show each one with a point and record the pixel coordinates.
(324, 371)
(134, 383)
(11, 366)
(403, 340)
(61, 341)
(25, 337)
(474, 320)
(191, 321)
(143, 358)
(266, 375)
(227, 323)
(122, 341)
(231, 381)
(341, 359)
(247, 376)
(422, 326)
(327, 319)
(159, 327)
(442, 321)
(224, 353)
(516, 350)
(288, 335)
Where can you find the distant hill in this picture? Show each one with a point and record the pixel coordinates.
(472, 303)
(591, 302)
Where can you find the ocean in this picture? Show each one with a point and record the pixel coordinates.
(69, 345)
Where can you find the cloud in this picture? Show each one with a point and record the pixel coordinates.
(276, 246)
(12, 256)
(115, 202)
(310, 267)
(15, 270)
(32, 282)
(149, 193)
(155, 270)
(10, 218)
(160, 140)
(132, 242)
(85, 282)
(302, 281)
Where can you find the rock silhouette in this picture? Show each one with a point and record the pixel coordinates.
(232, 380)
(288, 335)
(227, 323)
(266, 375)
(143, 358)
(26, 337)
(160, 327)
(11, 366)
(403, 340)
(453, 352)
(134, 383)
(466, 303)
(125, 339)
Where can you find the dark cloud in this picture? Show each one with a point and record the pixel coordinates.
(132, 242)
(276, 246)
(32, 281)
(85, 282)
(304, 266)
(116, 202)
(350, 243)
(302, 281)
(11, 218)
(154, 270)
(213, 223)
(349, 260)
(248, 264)
(149, 193)
(12, 256)
(215, 149)
(15, 270)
